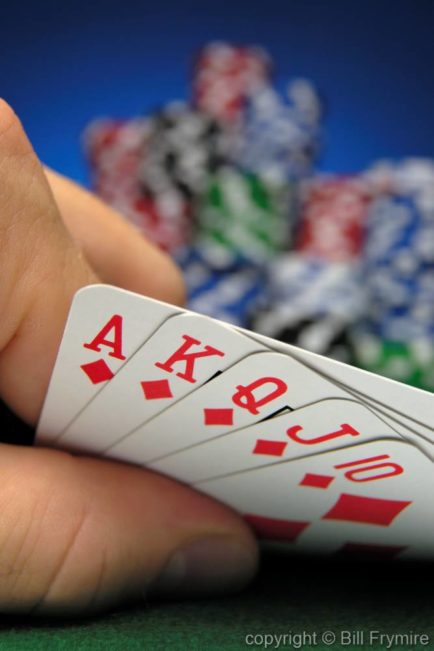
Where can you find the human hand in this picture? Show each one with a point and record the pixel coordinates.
(78, 534)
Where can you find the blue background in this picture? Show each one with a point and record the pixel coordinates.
(63, 64)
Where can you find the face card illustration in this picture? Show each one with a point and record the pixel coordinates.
(106, 325)
(371, 497)
(410, 402)
(255, 388)
(187, 351)
(326, 425)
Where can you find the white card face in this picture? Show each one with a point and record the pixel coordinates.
(407, 427)
(255, 388)
(184, 353)
(371, 497)
(423, 429)
(400, 398)
(326, 425)
(106, 325)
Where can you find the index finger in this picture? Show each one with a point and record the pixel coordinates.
(117, 251)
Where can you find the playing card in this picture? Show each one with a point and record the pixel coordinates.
(371, 497)
(406, 426)
(424, 429)
(326, 425)
(105, 327)
(181, 355)
(255, 388)
(403, 400)
(420, 434)
(388, 397)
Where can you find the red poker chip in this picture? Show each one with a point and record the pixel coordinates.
(224, 75)
(333, 219)
(115, 150)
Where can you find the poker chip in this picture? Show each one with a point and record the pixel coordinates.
(278, 138)
(311, 303)
(230, 292)
(241, 217)
(115, 150)
(183, 147)
(395, 337)
(224, 75)
(408, 362)
(399, 268)
(413, 176)
(332, 219)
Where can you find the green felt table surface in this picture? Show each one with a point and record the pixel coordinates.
(289, 595)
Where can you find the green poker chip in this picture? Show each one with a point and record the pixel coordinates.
(408, 362)
(244, 216)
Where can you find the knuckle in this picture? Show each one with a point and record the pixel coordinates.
(13, 142)
(8, 118)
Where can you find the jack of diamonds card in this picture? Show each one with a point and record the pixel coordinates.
(371, 497)
(399, 403)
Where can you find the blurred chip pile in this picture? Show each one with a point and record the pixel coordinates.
(226, 183)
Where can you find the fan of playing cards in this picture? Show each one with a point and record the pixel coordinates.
(316, 455)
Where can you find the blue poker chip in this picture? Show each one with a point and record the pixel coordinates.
(314, 287)
(398, 267)
(231, 294)
(210, 257)
(311, 303)
(279, 136)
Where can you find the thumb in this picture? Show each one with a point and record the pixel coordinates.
(79, 535)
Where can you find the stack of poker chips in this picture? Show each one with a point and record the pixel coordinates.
(246, 209)
(311, 303)
(245, 215)
(115, 153)
(217, 175)
(342, 266)
(229, 290)
(315, 293)
(396, 336)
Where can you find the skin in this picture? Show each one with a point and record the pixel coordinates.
(80, 535)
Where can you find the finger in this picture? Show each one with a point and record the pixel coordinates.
(87, 534)
(40, 269)
(115, 249)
